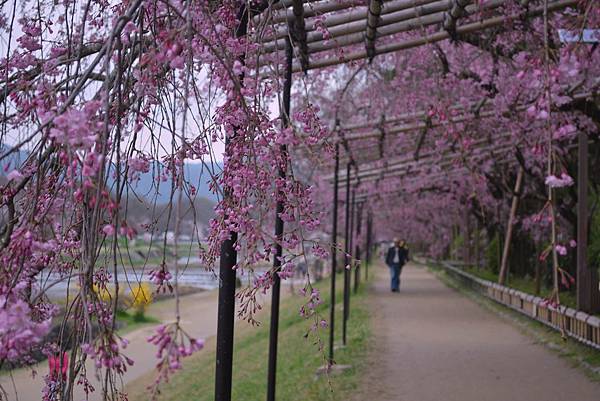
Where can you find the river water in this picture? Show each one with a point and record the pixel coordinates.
(191, 274)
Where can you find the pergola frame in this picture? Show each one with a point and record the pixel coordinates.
(348, 35)
(402, 16)
(409, 162)
(348, 25)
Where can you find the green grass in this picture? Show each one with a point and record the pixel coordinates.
(133, 321)
(578, 355)
(299, 358)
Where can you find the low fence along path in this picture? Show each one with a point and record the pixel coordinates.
(431, 343)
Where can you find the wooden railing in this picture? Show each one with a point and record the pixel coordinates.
(576, 324)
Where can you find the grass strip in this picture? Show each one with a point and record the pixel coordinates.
(299, 357)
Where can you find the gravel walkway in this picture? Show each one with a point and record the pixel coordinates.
(433, 344)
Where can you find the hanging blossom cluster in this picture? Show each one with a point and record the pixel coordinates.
(173, 344)
(93, 103)
(564, 180)
(19, 332)
(93, 100)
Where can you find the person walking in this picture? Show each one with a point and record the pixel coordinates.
(397, 256)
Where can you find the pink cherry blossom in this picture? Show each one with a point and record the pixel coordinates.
(559, 182)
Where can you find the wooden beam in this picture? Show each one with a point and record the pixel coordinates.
(353, 38)
(391, 23)
(372, 23)
(447, 162)
(438, 36)
(477, 108)
(355, 14)
(298, 32)
(419, 126)
(317, 8)
(404, 23)
(434, 180)
(414, 167)
(370, 157)
(442, 177)
(453, 120)
(477, 145)
(452, 16)
(474, 107)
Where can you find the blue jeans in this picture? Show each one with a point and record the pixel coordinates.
(395, 270)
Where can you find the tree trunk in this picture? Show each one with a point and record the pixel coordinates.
(509, 228)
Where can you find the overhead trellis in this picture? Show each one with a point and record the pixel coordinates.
(94, 102)
(420, 123)
(331, 30)
(334, 32)
(459, 114)
(327, 33)
(409, 166)
(430, 163)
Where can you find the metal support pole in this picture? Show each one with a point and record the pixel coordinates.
(587, 279)
(352, 217)
(357, 247)
(275, 291)
(346, 256)
(225, 319)
(334, 251)
(225, 315)
(369, 243)
(227, 278)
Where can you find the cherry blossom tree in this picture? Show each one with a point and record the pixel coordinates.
(95, 93)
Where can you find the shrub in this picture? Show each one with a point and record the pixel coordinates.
(141, 296)
(491, 254)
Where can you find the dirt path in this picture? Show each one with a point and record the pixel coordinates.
(433, 344)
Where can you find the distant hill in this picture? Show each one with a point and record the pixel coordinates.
(148, 201)
(14, 159)
(152, 197)
(196, 174)
(194, 215)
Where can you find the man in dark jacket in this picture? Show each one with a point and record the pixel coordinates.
(397, 256)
